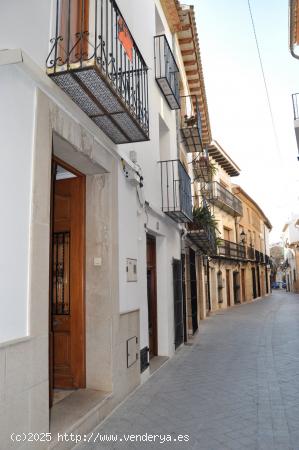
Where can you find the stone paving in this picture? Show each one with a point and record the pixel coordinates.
(236, 388)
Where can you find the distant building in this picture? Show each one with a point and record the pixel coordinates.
(291, 253)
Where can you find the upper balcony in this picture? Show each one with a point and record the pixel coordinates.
(203, 236)
(203, 169)
(167, 72)
(231, 249)
(95, 60)
(190, 124)
(295, 98)
(225, 200)
(202, 232)
(176, 191)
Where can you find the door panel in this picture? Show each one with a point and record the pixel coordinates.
(68, 312)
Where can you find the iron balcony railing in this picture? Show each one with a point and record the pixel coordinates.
(203, 237)
(190, 124)
(95, 60)
(202, 169)
(259, 257)
(250, 253)
(231, 249)
(295, 106)
(224, 199)
(167, 72)
(176, 191)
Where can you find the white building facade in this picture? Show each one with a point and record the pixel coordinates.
(92, 240)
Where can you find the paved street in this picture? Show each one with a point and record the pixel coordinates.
(236, 388)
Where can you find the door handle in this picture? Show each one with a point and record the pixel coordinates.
(55, 322)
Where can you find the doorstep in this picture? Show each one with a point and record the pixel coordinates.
(156, 363)
(80, 412)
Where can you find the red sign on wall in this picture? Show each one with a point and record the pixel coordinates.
(125, 38)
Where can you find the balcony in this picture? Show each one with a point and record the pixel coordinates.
(225, 200)
(259, 257)
(250, 252)
(202, 169)
(296, 116)
(190, 124)
(203, 237)
(176, 191)
(167, 72)
(231, 249)
(267, 260)
(95, 60)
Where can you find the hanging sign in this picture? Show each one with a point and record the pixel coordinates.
(125, 38)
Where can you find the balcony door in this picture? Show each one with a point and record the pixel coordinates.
(67, 308)
(73, 29)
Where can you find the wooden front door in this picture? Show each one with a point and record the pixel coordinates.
(67, 293)
(152, 295)
(228, 287)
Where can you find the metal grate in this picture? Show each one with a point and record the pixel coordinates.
(144, 361)
(250, 253)
(190, 124)
(231, 249)
(176, 191)
(203, 236)
(95, 60)
(167, 72)
(61, 273)
(224, 199)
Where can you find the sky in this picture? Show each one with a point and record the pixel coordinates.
(237, 101)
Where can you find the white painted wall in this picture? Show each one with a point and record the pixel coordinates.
(27, 25)
(16, 146)
(291, 234)
(132, 237)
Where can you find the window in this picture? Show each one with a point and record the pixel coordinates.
(164, 140)
(227, 233)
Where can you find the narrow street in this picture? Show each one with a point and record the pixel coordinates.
(236, 388)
